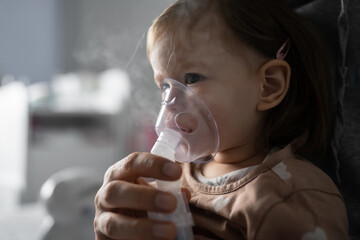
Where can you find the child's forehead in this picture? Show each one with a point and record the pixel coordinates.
(208, 35)
(208, 27)
(203, 49)
(187, 49)
(176, 40)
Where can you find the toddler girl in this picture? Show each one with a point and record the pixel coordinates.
(262, 71)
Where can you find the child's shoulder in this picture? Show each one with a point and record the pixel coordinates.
(283, 198)
(294, 174)
(300, 199)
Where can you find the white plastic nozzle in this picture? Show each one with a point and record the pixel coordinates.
(166, 144)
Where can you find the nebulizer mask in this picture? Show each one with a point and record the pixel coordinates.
(187, 132)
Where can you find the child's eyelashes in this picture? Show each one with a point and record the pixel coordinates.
(191, 78)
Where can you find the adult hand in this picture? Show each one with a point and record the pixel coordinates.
(124, 198)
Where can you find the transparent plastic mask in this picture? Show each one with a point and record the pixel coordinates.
(186, 117)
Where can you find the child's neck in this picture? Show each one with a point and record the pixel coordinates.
(233, 159)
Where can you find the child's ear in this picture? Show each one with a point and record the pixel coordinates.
(274, 83)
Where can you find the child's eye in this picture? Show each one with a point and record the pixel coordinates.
(191, 78)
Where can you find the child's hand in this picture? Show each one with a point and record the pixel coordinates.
(122, 201)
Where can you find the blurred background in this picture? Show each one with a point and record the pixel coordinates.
(76, 95)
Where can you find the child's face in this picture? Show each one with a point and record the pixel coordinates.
(222, 78)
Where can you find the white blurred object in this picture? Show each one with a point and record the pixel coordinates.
(86, 92)
(38, 91)
(13, 141)
(84, 124)
(67, 84)
(114, 86)
(22, 222)
(69, 199)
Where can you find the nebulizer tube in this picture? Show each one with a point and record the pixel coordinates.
(187, 132)
(165, 146)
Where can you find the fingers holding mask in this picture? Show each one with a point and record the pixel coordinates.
(115, 226)
(120, 194)
(142, 165)
(123, 198)
(123, 186)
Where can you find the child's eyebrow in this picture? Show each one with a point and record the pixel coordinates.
(183, 65)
